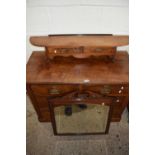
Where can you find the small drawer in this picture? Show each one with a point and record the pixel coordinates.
(52, 90)
(103, 50)
(119, 90)
(64, 50)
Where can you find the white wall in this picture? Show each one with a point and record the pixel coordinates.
(75, 16)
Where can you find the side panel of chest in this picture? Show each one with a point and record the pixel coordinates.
(39, 94)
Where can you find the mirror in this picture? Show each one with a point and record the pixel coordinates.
(81, 118)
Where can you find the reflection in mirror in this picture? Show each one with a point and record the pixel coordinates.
(83, 118)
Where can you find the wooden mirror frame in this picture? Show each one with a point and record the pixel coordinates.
(106, 101)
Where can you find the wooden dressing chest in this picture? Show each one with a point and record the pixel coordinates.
(79, 83)
(63, 75)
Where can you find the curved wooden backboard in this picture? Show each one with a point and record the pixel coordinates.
(80, 40)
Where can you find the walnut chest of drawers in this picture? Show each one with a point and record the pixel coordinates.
(64, 75)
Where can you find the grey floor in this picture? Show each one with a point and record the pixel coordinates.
(41, 141)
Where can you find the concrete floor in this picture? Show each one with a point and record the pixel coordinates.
(41, 141)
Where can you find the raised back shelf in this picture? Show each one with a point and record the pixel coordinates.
(80, 46)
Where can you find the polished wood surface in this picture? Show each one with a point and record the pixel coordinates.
(62, 76)
(73, 41)
(77, 71)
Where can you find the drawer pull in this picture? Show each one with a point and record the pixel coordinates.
(117, 100)
(122, 87)
(103, 103)
(106, 90)
(120, 91)
(54, 91)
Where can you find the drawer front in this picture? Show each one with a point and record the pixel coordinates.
(109, 90)
(103, 50)
(52, 90)
(55, 90)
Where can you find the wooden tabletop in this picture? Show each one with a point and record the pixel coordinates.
(77, 71)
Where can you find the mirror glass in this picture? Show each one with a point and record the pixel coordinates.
(81, 118)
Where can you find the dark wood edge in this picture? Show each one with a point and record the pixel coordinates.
(125, 103)
(33, 99)
(51, 35)
(109, 117)
(53, 122)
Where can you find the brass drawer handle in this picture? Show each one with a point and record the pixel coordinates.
(54, 91)
(106, 89)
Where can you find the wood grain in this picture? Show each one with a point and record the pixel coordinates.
(73, 41)
(77, 71)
